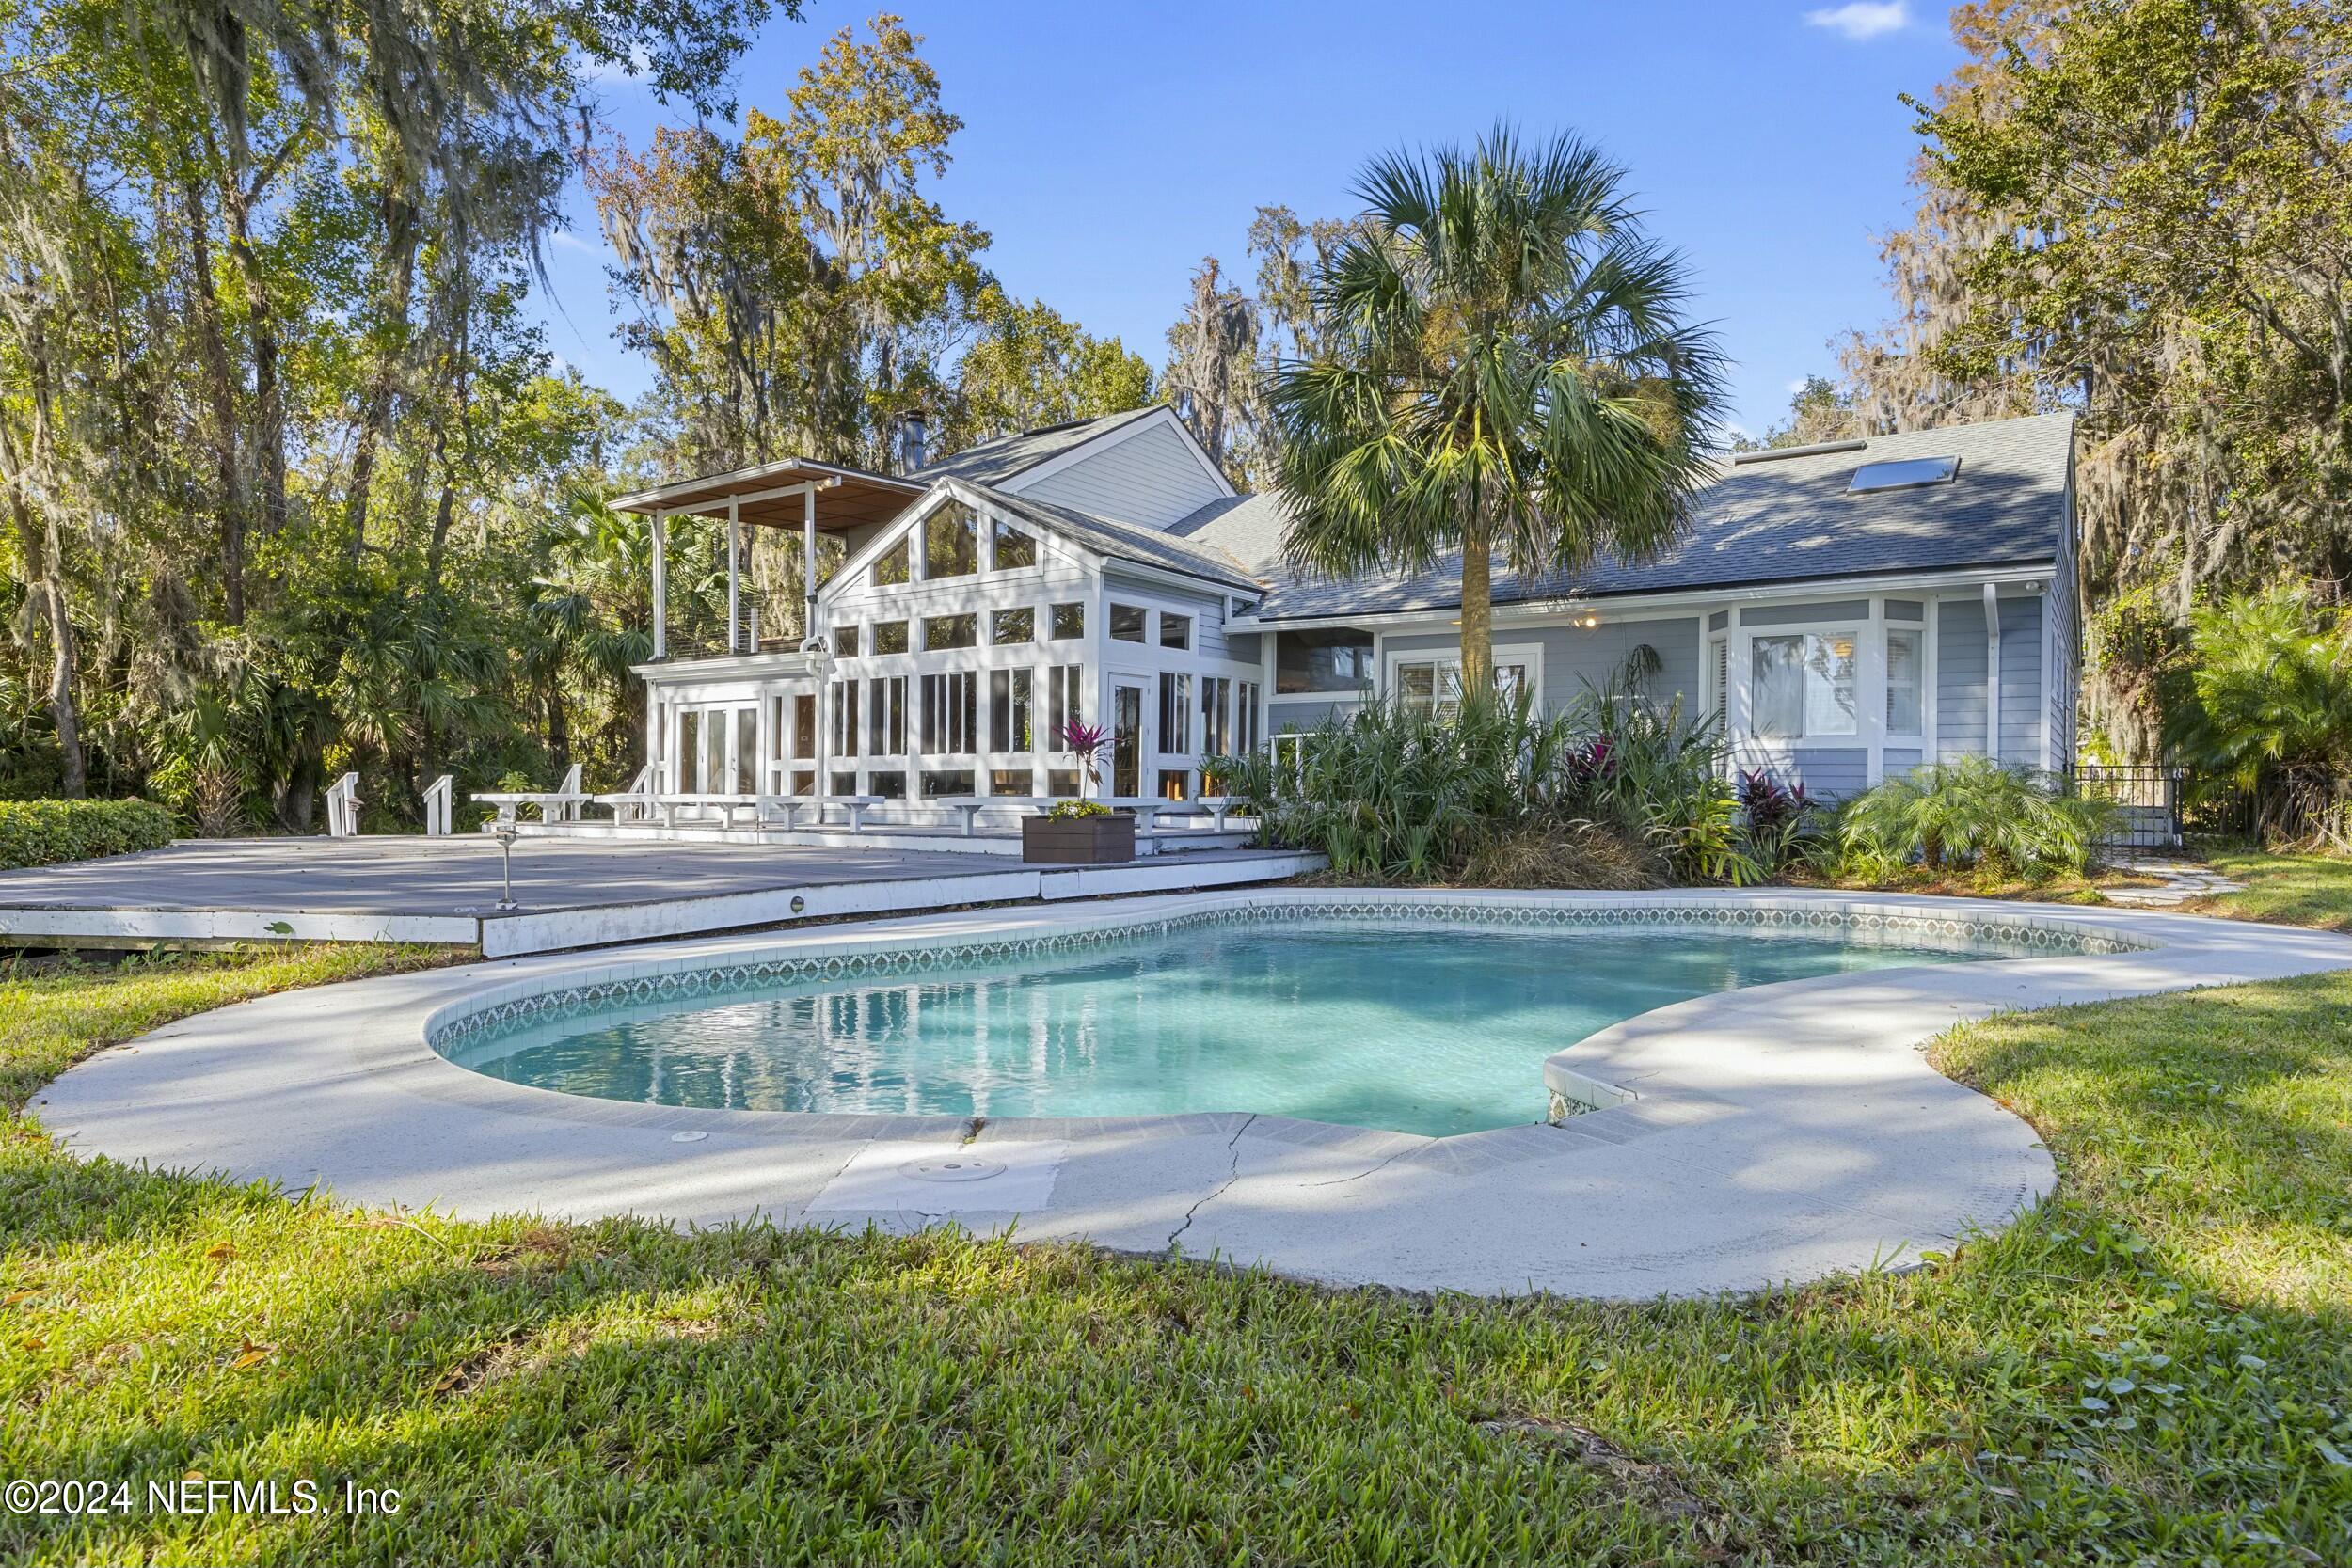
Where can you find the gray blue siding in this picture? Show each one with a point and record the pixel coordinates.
(1152, 479)
(1959, 679)
(2021, 711)
(1833, 772)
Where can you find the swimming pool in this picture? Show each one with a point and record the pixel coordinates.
(1399, 1025)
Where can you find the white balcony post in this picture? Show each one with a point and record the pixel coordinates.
(735, 575)
(808, 561)
(660, 585)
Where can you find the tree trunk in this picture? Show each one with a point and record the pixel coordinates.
(221, 392)
(1478, 612)
(44, 555)
(400, 244)
(42, 552)
(269, 398)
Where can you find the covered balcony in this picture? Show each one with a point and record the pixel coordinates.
(738, 556)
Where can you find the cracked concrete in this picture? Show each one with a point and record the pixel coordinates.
(1232, 1175)
(1758, 1136)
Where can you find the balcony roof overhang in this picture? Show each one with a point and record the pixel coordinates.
(770, 495)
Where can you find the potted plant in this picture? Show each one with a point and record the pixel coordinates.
(1080, 833)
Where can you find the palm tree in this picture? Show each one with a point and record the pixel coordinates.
(1505, 369)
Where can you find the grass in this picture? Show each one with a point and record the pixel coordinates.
(2294, 890)
(2156, 1366)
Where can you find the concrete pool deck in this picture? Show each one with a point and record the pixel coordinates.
(570, 892)
(1749, 1139)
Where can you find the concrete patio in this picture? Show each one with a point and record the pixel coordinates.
(1752, 1137)
(570, 893)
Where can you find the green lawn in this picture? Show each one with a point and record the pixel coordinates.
(2295, 890)
(2157, 1367)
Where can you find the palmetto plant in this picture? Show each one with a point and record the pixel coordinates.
(1963, 815)
(1505, 370)
(2268, 707)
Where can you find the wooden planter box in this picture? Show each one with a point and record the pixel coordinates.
(1078, 840)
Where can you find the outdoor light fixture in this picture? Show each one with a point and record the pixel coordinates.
(1585, 619)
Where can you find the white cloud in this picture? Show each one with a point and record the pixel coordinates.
(1797, 386)
(615, 73)
(564, 239)
(1859, 20)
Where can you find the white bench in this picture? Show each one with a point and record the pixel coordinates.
(1147, 808)
(972, 805)
(560, 804)
(555, 806)
(628, 805)
(856, 805)
(1219, 807)
(726, 805)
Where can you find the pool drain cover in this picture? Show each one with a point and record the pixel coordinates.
(952, 1167)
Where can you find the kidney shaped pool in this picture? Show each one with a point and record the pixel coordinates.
(1417, 1029)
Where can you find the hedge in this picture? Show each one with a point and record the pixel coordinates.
(43, 833)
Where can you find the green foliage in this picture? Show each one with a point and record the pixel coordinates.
(1972, 814)
(1076, 811)
(1396, 793)
(2262, 701)
(1031, 366)
(1504, 370)
(43, 832)
(1818, 410)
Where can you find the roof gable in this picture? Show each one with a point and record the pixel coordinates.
(1103, 537)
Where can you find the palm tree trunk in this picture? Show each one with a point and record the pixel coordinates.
(1478, 612)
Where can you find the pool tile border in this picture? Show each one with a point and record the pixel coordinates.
(2010, 934)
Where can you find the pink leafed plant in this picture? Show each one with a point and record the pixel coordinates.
(1088, 741)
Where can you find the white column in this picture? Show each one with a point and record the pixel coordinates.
(735, 575)
(808, 561)
(1870, 690)
(1992, 672)
(1265, 689)
(660, 585)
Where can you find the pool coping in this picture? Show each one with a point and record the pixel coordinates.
(1732, 1141)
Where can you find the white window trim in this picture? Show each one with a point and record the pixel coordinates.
(1528, 654)
(1743, 654)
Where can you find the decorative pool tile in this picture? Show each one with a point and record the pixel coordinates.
(2014, 934)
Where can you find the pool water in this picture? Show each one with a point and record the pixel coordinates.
(1417, 1030)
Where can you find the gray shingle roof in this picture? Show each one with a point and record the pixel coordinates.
(994, 461)
(1127, 541)
(1785, 520)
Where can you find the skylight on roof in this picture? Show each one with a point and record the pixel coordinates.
(1903, 475)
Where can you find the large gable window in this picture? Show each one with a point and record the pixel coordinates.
(1013, 547)
(890, 567)
(951, 542)
(1802, 686)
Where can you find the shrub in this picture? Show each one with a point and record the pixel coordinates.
(1498, 794)
(1779, 823)
(2266, 707)
(1967, 815)
(43, 832)
(1067, 810)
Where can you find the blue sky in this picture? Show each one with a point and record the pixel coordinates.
(1108, 147)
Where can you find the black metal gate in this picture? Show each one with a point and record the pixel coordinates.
(2146, 803)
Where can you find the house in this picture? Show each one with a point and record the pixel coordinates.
(1848, 610)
